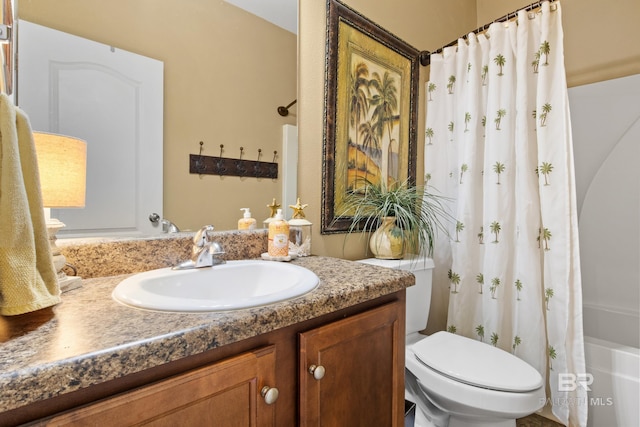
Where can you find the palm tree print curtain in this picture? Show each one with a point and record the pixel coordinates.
(498, 143)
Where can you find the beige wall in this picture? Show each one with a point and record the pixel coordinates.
(600, 38)
(226, 72)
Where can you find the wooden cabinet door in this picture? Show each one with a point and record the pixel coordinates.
(224, 394)
(363, 361)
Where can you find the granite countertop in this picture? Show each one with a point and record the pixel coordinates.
(89, 338)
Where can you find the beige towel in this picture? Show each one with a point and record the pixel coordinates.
(27, 276)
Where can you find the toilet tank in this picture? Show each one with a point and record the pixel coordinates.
(419, 295)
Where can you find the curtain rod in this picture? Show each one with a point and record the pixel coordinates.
(425, 55)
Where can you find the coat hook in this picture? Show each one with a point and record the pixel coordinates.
(241, 152)
(284, 111)
(275, 154)
(256, 166)
(219, 166)
(200, 166)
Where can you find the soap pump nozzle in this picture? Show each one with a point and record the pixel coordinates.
(247, 212)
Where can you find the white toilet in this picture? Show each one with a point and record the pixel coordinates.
(456, 381)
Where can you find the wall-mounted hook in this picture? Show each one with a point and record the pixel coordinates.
(256, 166)
(284, 111)
(240, 167)
(219, 163)
(200, 166)
(224, 166)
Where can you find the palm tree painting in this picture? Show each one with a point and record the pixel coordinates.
(481, 236)
(452, 329)
(450, 128)
(480, 332)
(371, 105)
(373, 125)
(467, 119)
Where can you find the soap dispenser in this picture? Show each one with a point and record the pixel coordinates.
(278, 245)
(246, 222)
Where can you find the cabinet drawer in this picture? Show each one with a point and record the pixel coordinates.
(226, 393)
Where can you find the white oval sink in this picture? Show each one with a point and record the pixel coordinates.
(230, 286)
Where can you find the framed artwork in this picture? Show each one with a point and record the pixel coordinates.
(371, 90)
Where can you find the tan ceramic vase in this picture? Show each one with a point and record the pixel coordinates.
(387, 242)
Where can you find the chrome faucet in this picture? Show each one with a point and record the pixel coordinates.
(169, 227)
(205, 252)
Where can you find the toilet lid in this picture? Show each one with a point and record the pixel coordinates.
(476, 363)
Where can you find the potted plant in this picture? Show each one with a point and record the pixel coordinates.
(405, 217)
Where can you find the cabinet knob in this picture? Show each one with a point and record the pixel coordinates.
(270, 394)
(317, 371)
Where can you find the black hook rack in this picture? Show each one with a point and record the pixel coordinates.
(225, 166)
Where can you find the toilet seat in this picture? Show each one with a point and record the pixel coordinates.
(461, 399)
(475, 363)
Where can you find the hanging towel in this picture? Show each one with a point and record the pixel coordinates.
(28, 279)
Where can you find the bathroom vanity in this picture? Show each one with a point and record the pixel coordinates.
(334, 356)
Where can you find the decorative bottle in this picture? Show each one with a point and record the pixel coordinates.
(246, 222)
(278, 245)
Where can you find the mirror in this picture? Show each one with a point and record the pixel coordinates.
(225, 73)
(6, 41)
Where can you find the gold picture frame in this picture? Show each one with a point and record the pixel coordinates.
(371, 90)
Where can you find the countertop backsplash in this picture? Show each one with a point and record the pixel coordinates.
(103, 257)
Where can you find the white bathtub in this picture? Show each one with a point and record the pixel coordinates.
(615, 391)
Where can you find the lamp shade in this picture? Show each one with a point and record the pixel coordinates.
(62, 163)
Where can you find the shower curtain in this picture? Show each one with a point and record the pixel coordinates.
(498, 144)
